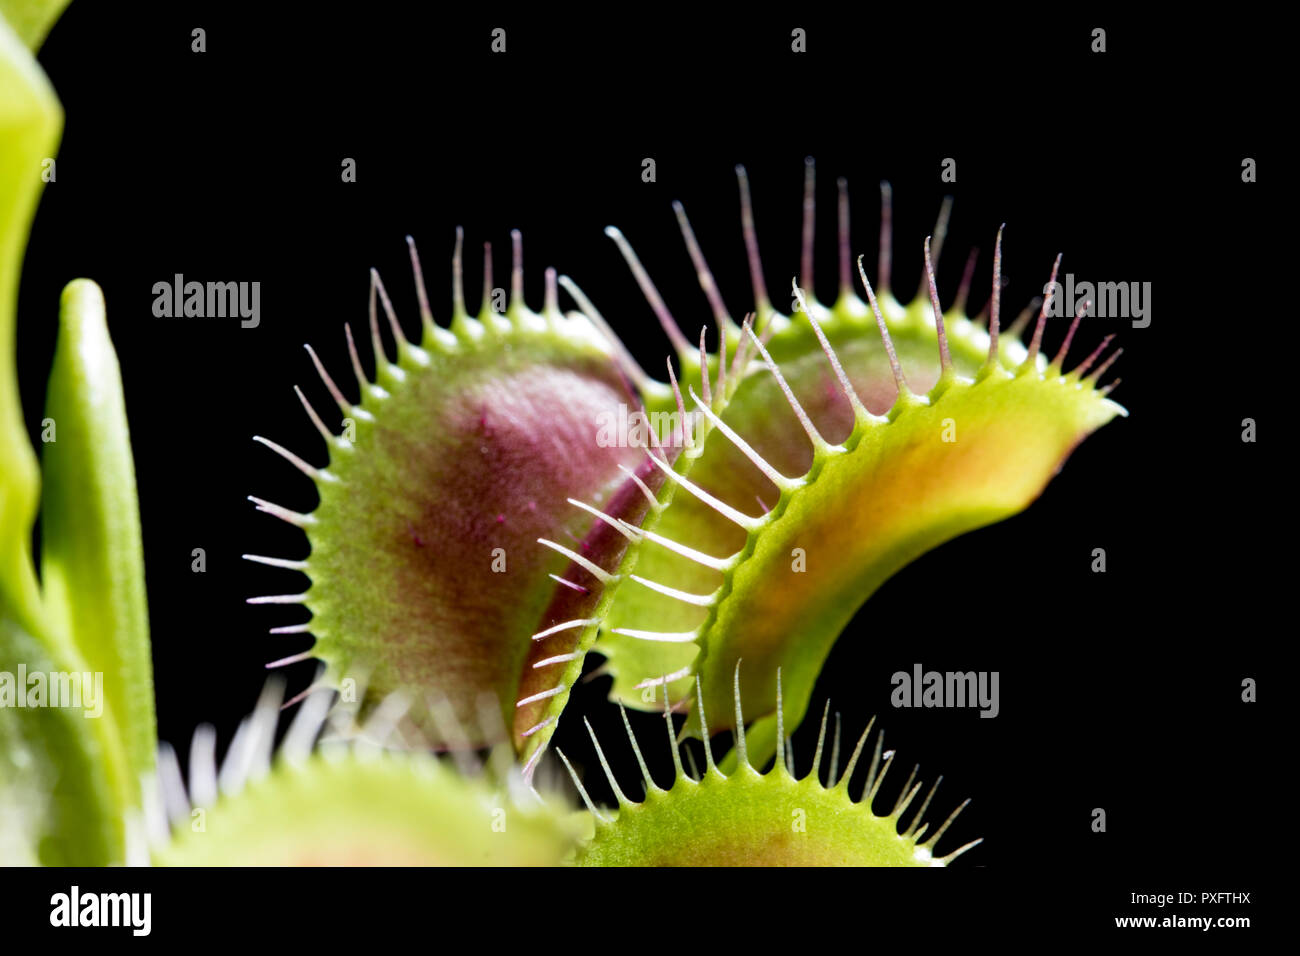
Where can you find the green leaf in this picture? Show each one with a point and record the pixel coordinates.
(92, 564)
(32, 19)
(70, 775)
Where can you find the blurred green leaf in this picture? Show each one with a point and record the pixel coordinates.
(30, 123)
(31, 19)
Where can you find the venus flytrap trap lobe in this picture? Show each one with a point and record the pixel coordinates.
(741, 817)
(444, 539)
(824, 470)
(347, 800)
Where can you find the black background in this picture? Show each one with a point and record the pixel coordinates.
(1119, 691)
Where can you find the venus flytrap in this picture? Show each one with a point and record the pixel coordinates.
(848, 441)
(815, 455)
(444, 539)
(475, 540)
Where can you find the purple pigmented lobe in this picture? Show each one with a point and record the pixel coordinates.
(442, 539)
